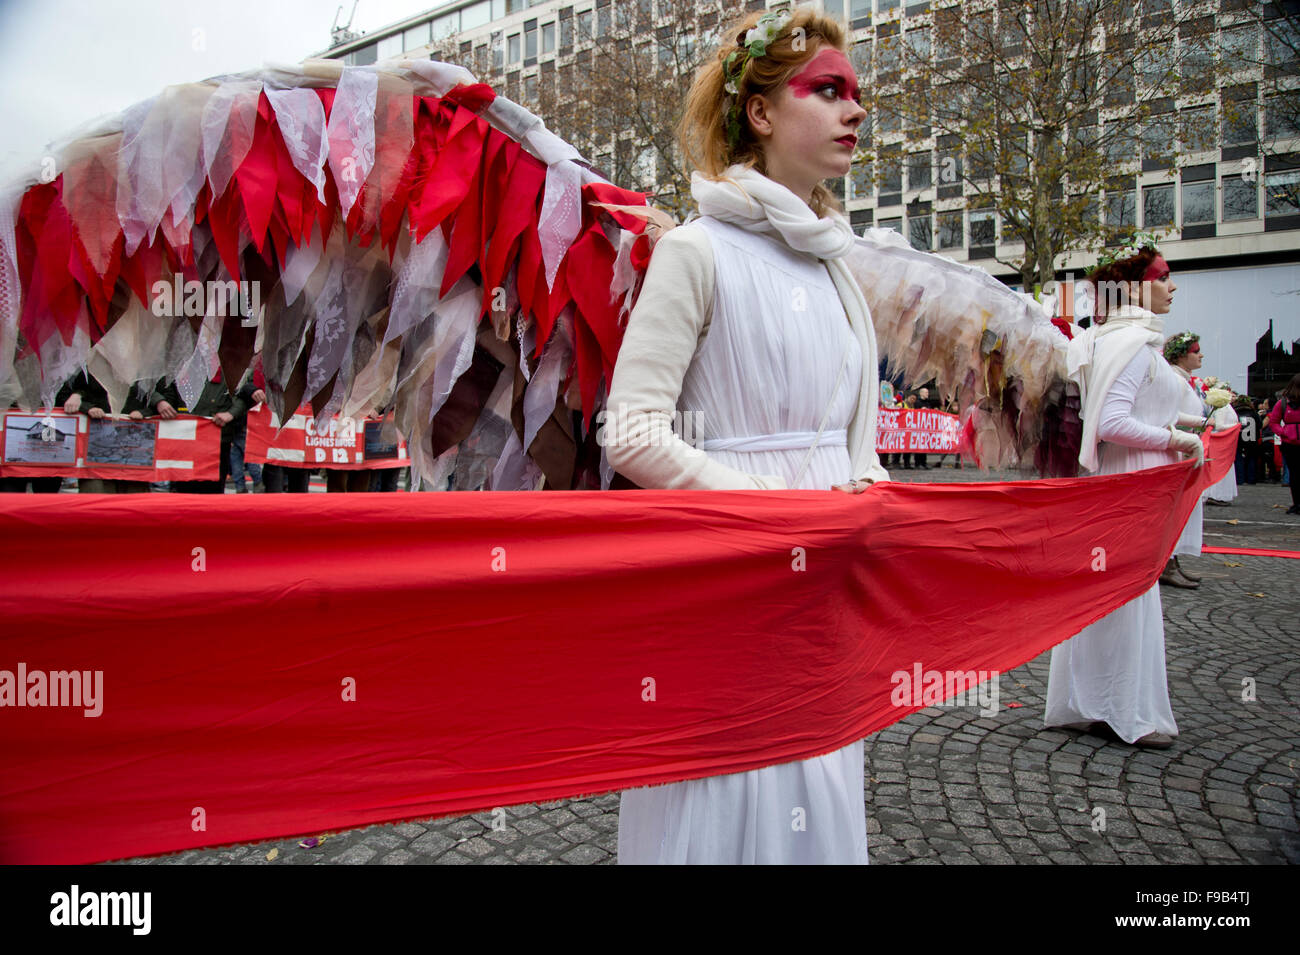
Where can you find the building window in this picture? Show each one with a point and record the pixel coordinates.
(1121, 146)
(1282, 194)
(1157, 206)
(1282, 116)
(1121, 209)
(983, 228)
(530, 89)
(444, 26)
(584, 25)
(530, 43)
(918, 170)
(1198, 132)
(1198, 203)
(861, 8)
(1158, 138)
(548, 38)
(860, 176)
(364, 56)
(390, 46)
(891, 173)
(952, 230)
(566, 33)
(475, 16)
(515, 48)
(1240, 123)
(1240, 199)
(895, 224)
(920, 232)
(416, 37)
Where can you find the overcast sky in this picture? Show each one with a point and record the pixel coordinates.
(64, 62)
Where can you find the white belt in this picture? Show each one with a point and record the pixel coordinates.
(785, 441)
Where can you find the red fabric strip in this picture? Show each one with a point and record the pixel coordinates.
(405, 656)
(1251, 551)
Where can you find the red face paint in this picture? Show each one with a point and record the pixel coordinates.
(1157, 270)
(829, 67)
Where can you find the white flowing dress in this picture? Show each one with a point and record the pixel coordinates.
(1193, 536)
(1114, 670)
(760, 384)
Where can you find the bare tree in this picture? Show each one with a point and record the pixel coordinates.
(1036, 108)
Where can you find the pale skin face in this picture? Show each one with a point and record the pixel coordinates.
(1192, 360)
(1156, 295)
(809, 129)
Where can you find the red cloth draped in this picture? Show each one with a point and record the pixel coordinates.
(362, 658)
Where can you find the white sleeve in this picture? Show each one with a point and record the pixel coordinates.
(663, 332)
(1117, 424)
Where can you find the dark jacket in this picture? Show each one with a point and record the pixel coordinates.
(213, 400)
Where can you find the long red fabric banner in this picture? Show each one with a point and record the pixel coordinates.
(261, 666)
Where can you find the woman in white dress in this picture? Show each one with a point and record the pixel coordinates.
(1183, 352)
(749, 320)
(1110, 677)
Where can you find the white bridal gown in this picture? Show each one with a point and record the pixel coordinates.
(1114, 670)
(762, 381)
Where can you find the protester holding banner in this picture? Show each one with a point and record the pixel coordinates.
(742, 321)
(1110, 678)
(215, 402)
(85, 395)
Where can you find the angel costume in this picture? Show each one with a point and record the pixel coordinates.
(742, 321)
(1190, 541)
(1114, 670)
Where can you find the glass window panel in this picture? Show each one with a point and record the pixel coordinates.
(473, 17)
(1283, 41)
(1240, 123)
(390, 46)
(952, 230)
(861, 8)
(364, 56)
(1282, 193)
(920, 232)
(891, 174)
(1198, 129)
(983, 228)
(445, 26)
(584, 25)
(1240, 46)
(1198, 203)
(1240, 199)
(895, 224)
(530, 89)
(860, 175)
(834, 8)
(918, 40)
(548, 38)
(416, 37)
(918, 170)
(498, 9)
(602, 21)
(1157, 206)
(1121, 146)
(1121, 209)
(1158, 137)
(860, 55)
(530, 43)
(1282, 116)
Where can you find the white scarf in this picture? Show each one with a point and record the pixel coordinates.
(749, 200)
(1130, 328)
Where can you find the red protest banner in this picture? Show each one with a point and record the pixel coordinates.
(917, 429)
(345, 443)
(54, 444)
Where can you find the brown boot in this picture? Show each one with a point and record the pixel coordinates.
(1194, 578)
(1175, 579)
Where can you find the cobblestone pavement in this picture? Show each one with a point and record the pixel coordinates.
(947, 785)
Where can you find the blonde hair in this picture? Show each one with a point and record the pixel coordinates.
(703, 128)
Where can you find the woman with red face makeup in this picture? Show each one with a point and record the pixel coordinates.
(749, 320)
(1110, 679)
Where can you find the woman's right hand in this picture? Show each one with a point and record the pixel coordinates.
(1188, 444)
(73, 404)
(165, 410)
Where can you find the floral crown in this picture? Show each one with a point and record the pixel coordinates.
(749, 47)
(1140, 241)
(1179, 345)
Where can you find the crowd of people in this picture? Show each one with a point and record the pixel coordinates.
(83, 394)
